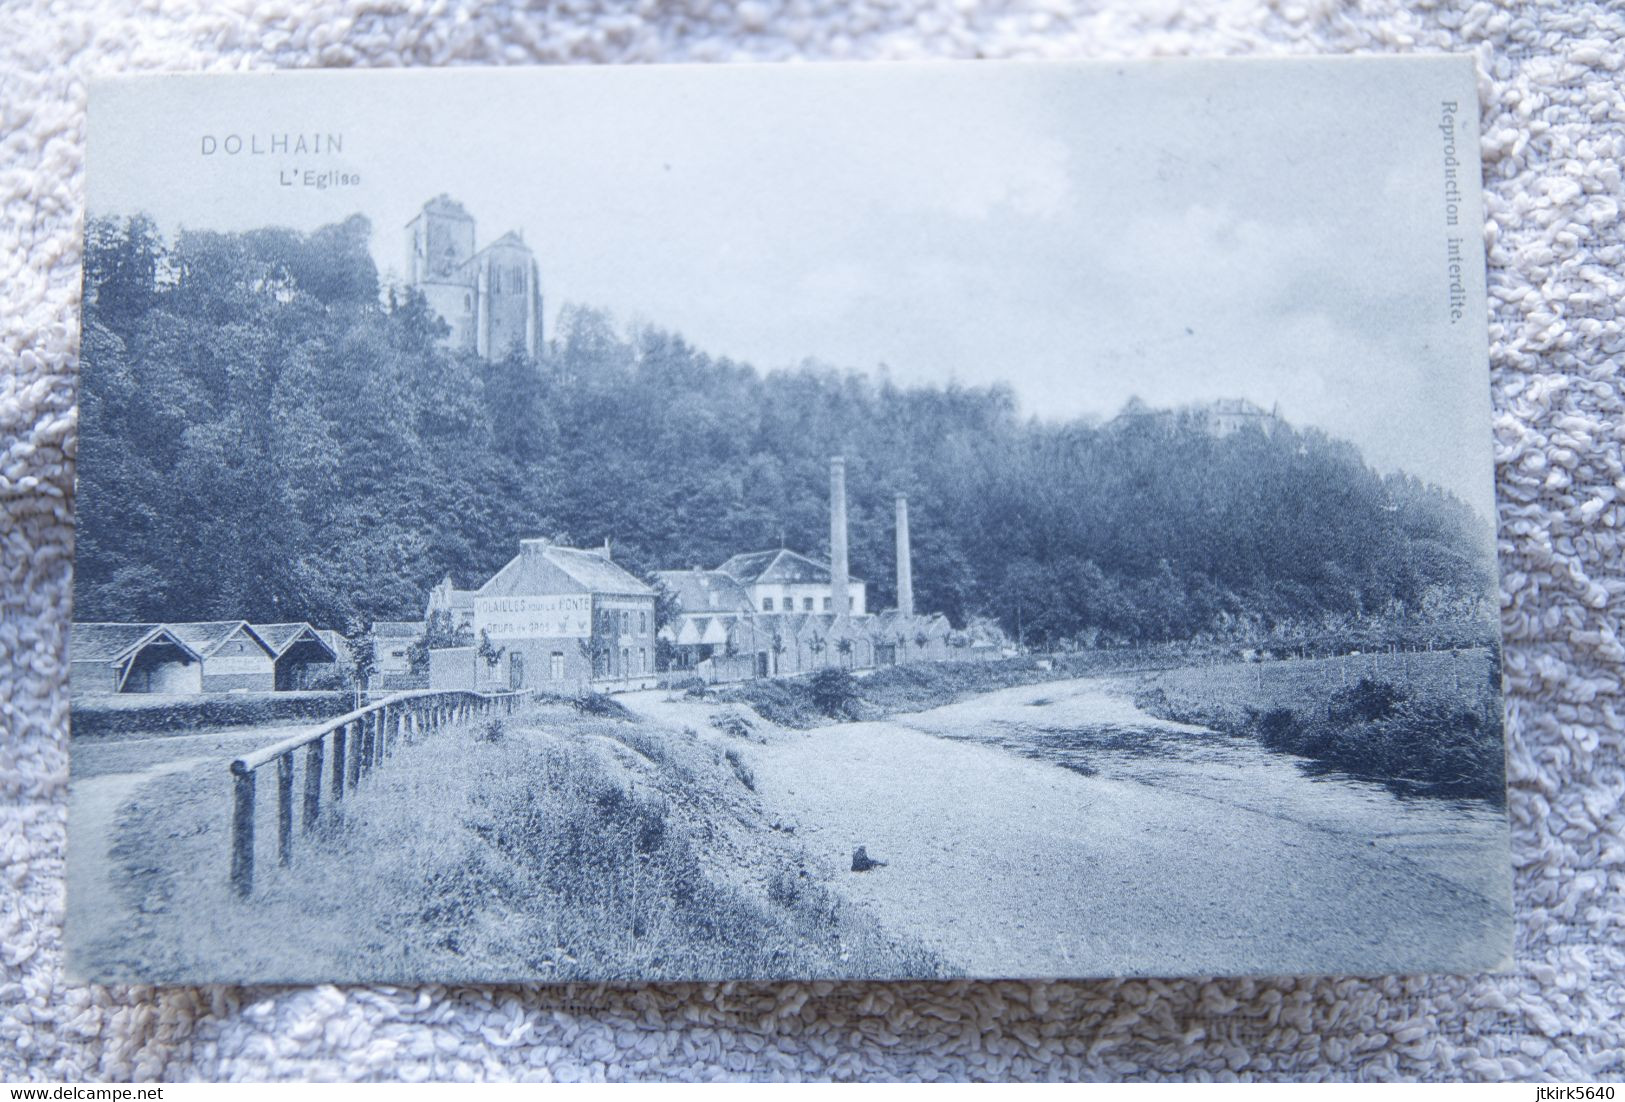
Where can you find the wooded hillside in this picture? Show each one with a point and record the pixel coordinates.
(265, 434)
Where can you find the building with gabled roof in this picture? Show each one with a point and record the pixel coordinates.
(207, 656)
(392, 642)
(300, 654)
(235, 658)
(561, 619)
(131, 658)
(457, 604)
(705, 592)
(788, 581)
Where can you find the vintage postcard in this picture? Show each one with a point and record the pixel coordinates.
(677, 523)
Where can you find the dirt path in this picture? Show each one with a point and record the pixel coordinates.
(1012, 866)
(95, 911)
(107, 776)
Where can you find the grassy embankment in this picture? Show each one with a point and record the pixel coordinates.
(139, 713)
(1425, 723)
(554, 845)
(835, 695)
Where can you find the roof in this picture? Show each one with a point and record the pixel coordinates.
(102, 642)
(892, 623)
(447, 595)
(397, 629)
(445, 206)
(705, 590)
(208, 635)
(279, 637)
(780, 567)
(697, 630)
(544, 568)
(509, 240)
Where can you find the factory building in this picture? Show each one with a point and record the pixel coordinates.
(776, 613)
(787, 581)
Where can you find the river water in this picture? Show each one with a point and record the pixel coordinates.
(1092, 727)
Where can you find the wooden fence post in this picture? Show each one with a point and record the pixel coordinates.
(242, 832)
(352, 765)
(340, 756)
(284, 808)
(364, 766)
(313, 783)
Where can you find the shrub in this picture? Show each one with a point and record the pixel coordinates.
(130, 714)
(492, 730)
(598, 704)
(1279, 729)
(1366, 700)
(835, 693)
(1454, 750)
(735, 723)
(785, 888)
(787, 703)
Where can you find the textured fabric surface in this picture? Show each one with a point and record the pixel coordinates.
(1554, 133)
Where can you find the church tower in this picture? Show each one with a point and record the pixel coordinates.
(490, 298)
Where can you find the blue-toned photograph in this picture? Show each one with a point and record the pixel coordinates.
(702, 523)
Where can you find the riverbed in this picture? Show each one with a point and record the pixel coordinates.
(1057, 830)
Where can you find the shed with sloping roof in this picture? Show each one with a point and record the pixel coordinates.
(235, 658)
(131, 658)
(299, 654)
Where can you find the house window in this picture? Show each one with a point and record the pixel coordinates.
(555, 666)
(626, 622)
(643, 659)
(851, 603)
(496, 279)
(806, 604)
(767, 604)
(643, 623)
(829, 603)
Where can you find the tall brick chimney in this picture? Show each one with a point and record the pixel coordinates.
(839, 602)
(905, 568)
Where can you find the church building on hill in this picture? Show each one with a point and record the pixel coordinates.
(491, 297)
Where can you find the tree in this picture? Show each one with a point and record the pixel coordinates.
(489, 652)
(254, 413)
(363, 652)
(441, 631)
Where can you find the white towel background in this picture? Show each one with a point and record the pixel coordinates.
(1554, 134)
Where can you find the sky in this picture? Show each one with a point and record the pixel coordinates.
(1085, 233)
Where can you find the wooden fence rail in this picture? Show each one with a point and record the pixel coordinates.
(347, 749)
